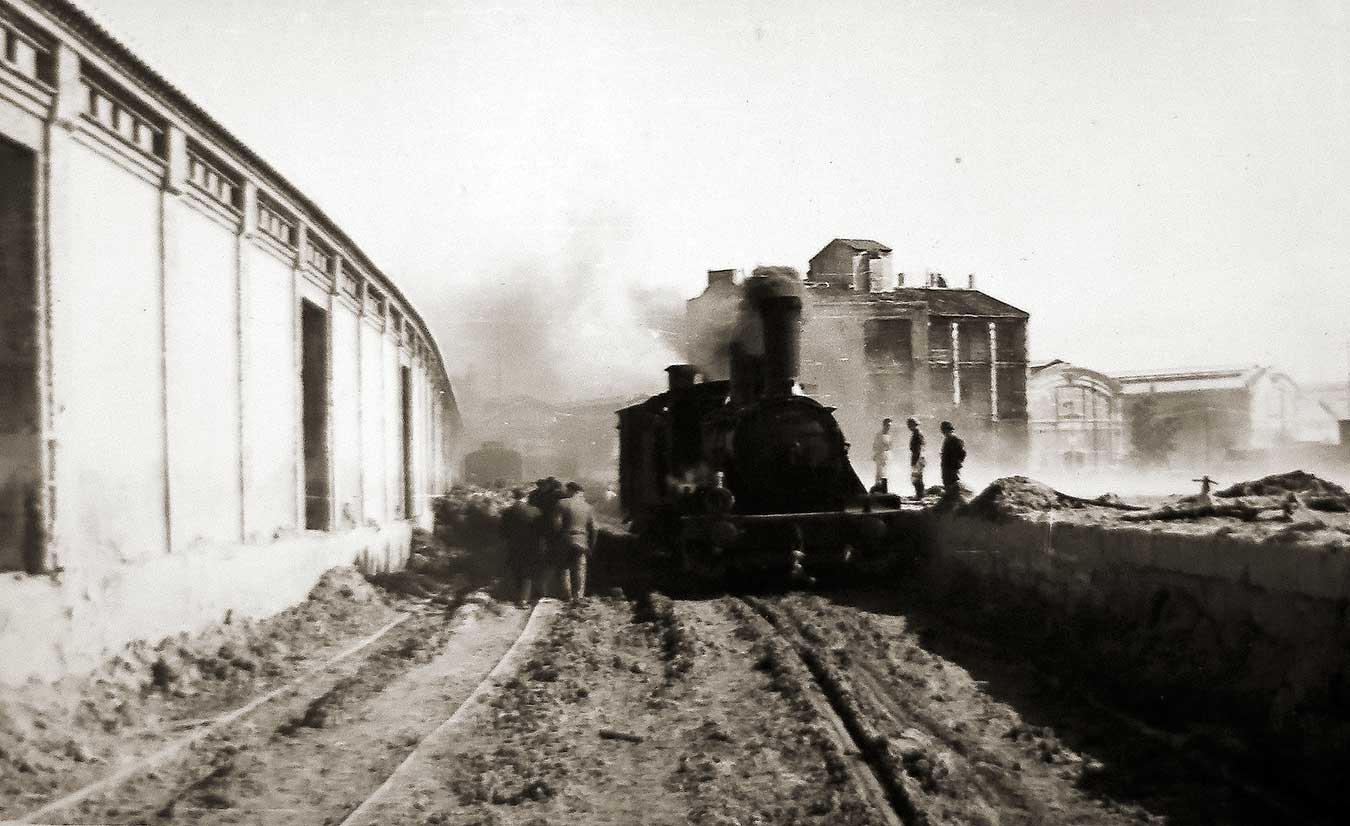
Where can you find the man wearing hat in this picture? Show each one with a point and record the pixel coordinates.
(576, 534)
(916, 460)
(881, 454)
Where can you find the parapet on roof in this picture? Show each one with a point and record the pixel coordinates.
(941, 301)
(1188, 379)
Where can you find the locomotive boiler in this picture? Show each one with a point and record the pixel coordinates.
(748, 475)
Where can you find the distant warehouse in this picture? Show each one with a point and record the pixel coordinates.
(208, 393)
(873, 347)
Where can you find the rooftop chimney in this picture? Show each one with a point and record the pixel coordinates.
(719, 276)
(680, 376)
(970, 281)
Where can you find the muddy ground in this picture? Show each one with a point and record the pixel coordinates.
(861, 706)
(670, 712)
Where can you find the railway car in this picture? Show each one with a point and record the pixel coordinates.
(747, 476)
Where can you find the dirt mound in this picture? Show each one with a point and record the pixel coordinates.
(150, 690)
(1013, 495)
(1318, 494)
(342, 585)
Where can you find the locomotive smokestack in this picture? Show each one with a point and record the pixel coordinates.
(776, 293)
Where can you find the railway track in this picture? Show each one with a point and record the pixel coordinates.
(368, 811)
(203, 776)
(200, 732)
(850, 731)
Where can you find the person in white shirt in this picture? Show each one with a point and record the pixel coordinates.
(881, 454)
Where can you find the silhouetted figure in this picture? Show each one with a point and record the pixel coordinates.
(916, 460)
(953, 457)
(524, 545)
(545, 497)
(576, 540)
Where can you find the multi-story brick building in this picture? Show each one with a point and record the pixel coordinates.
(872, 348)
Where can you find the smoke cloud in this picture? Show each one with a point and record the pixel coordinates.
(578, 326)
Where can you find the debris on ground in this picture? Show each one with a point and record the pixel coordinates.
(1199, 509)
(1315, 493)
(468, 516)
(78, 726)
(1017, 495)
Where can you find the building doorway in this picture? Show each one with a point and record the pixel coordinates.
(314, 415)
(405, 440)
(20, 436)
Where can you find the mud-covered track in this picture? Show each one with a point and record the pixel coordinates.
(313, 750)
(299, 685)
(889, 798)
(367, 811)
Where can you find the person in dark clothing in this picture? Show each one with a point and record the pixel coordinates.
(524, 546)
(576, 534)
(545, 497)
(916, 460)
(953, 457)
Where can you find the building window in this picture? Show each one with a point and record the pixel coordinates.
(26, 54)
(208, 176)
(273, 222)
(887, 344)
(113, 109)
(318, 257)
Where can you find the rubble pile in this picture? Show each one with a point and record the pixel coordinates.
(1016, 495)
(1315, 493)
(435, 571)
(468, 516)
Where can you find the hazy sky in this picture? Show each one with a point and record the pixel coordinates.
(1158, 184)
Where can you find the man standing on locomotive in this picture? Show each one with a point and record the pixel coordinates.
(953, 457)
(576, 540)
(881, 454)
(916, 460)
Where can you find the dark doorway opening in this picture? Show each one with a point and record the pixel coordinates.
(405, 441)
(314, 395)
(21, 545)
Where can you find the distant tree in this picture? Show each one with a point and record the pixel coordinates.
(1154, 436)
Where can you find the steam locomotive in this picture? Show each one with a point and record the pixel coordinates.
(747, 475)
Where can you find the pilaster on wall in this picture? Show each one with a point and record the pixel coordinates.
(248, 227)
(176, 160)
(70, 91)
(956, 364)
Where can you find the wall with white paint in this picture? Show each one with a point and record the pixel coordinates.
(163, 453)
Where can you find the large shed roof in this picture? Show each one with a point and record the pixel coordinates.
(1188, 379)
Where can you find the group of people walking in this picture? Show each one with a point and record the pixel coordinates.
(549, 530)
(953, 457)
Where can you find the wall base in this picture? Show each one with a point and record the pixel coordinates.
(54, 626)
(1205, 632)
